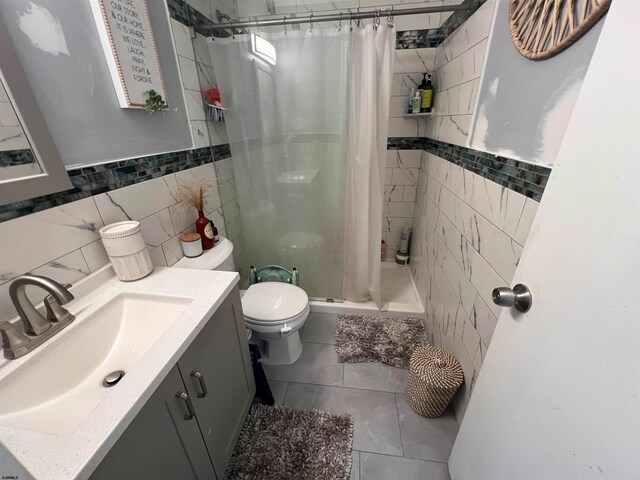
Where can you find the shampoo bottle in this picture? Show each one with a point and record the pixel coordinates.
(427, 96)
(410, 101)
(416, 103)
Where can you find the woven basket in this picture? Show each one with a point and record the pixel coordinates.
(434, 377)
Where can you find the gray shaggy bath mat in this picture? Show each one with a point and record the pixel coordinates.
(368, 338)
(282, 443)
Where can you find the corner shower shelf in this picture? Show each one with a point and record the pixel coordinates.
(416, 115)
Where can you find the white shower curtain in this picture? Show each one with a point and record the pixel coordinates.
(369, 89)
(286, 121)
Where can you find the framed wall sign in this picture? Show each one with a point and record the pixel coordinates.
(129, 46)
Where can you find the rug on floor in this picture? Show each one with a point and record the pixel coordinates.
(369, 338)
(283, 443)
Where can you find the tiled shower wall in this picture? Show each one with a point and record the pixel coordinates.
(458, 67)
(469, 233)
(198, 75)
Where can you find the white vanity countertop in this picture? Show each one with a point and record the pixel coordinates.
(75, 456)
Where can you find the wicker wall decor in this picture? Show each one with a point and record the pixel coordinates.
(541, 29)
(434, 377)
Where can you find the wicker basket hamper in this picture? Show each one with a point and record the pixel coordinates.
(434, 377)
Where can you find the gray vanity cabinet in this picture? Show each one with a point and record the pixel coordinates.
(159, 442)
(216, 370)
(216, 379)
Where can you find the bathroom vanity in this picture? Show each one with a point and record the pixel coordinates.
(179, 336)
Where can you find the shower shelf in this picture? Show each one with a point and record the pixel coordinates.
(413, 115)
(215, 113)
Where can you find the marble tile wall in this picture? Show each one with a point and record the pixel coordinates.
(401, 181)
(458, 67)
(63, 242)
(468, 235)
(198, 76)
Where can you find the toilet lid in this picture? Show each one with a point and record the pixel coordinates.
(274, 301)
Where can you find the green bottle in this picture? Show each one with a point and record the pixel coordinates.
(427, 94)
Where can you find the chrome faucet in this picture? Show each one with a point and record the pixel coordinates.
(37, 329)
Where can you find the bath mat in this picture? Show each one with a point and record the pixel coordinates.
(283, 443)
(368, 338)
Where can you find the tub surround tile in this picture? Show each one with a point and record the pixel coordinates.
(472, 214)
(526, 179)
(526, 220)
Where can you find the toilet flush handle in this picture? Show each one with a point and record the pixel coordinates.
(285, 329)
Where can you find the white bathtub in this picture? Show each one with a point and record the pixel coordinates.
(398, 290)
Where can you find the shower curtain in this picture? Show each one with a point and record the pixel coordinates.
(286, 122)
(370, 74)
(298, 125)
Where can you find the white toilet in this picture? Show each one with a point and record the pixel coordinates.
(274, 311)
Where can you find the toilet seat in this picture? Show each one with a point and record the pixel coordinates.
(274, 303)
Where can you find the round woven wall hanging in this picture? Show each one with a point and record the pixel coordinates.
(541, 29)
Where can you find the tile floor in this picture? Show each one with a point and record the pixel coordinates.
(390, 440)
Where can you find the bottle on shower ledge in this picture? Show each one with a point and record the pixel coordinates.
(416, 103)
(402, 254)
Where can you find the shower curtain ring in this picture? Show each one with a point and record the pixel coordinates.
(389, 18)
(284, 24)
(311, 22)
(376, 18)
(340, 24)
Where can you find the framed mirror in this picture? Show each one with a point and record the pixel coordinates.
(30, 165)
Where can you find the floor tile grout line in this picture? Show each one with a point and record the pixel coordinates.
(395, 401)
(335, 386)
(286, 389)
(398, 456)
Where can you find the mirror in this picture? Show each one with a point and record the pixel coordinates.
(16, 155)
(30, 165)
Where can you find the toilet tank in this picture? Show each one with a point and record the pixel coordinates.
(220, 257)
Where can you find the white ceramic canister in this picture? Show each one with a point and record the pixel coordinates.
(191, 244)
(127, 250)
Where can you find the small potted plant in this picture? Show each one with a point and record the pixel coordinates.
(154, 101)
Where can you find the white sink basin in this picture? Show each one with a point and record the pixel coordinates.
(56, 389)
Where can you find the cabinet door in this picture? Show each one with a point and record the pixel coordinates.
(220, 355)
(159, 443)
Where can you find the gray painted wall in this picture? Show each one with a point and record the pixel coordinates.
(60, 50)
(524, 106)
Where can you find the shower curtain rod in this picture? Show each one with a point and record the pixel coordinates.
(342, 16)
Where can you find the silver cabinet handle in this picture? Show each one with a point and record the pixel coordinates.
(519, 298)
(185, 396)
(198, 376)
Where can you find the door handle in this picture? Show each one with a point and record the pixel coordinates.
(185, 396)
(198, 376)
(519, 298)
